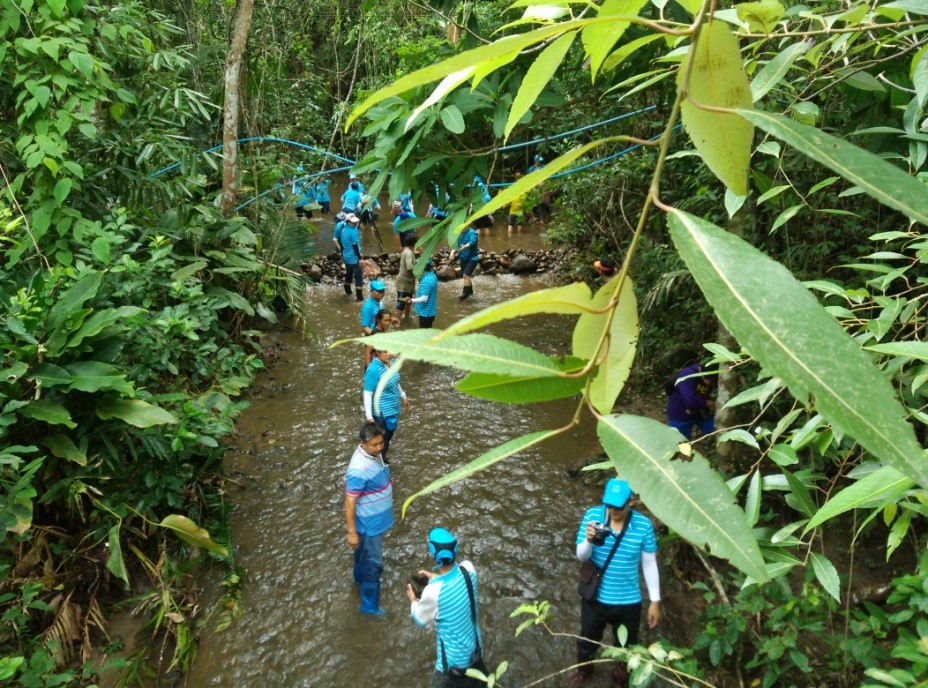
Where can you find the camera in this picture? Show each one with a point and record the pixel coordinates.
(602, 530)
(418, 583)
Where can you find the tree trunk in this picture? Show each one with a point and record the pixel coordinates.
(230, 109)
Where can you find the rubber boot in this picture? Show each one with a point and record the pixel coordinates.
(582, 673)
(620, 676)
(370, 600)
(358, 294)
(348, 289)
(467, 293)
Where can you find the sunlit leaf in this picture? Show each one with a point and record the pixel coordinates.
(623, 52)
(115, 562)
(878, 178)
(784, 327)
(537, 77)
(571, 299)
(909, 349)
(717, 79)
(753, 499)
(599, 39)
(135, 412)
(621, 341)
(773, 72)
(478, 352)
(688, 495)
(882, 485)
(827, 575)
(491, 457)
(761, 16)
(525, 390)
(191, 533)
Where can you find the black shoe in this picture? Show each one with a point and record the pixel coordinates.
(347, 289)
(466, 294)
(358, 295)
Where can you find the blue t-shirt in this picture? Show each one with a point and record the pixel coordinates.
(321, 189)
(368, 480)
(619, 583)
(337, 232)
(390, 401)
(351, 201)
(427, 285)
(369, 312)
(399, 218)
(405, 200)
(303, 192)
(446, 602)
(469, 236)
(349, 236)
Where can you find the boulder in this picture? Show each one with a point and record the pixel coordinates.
(446, 273)
(522, 265)
(314, 273)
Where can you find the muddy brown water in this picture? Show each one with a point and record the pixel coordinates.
(516, 521)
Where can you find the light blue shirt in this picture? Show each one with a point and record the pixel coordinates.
(619, 583)
(428, 285)
(351, 201)
(446, 602)
(369, 312)
(349, 236)
(321, 189)
(390, 400)
(368, 480)
(469, 236)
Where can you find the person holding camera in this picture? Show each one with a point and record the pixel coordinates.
(368, 514)
(450, 601)
(617, 540)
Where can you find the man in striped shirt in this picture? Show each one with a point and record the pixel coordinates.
(453, 608)
(368, 514)
(618, 600)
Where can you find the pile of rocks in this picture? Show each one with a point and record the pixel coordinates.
(329, 268)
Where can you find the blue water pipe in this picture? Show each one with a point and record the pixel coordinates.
(281, 186)
(525, 144)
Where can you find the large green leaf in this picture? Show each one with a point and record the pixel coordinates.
(773, 72)
(503, 48)
(827, 575)
(52, 412)
(872, 490)
(191, 533)
(93, 376)
(64, 447)
(717, 79)
(571, 299)
(135, 412)
(909, 349)
(780, 323)
(115, 562)
(686, 494)
(100, 320)
(73, 299)
(537, 77)
(51, 375)
(525, 390)
(491, 457)
(878, 178)
(479, 353)
(621, 342)
(599, 39)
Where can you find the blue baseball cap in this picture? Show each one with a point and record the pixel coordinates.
(377, 285)
(442, 546)
(617, 493)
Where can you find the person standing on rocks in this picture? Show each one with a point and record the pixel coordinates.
(384, 410)
(450, 602)
(406, 276)
(350, 242)
(368, 514)
(628, 541)
(469, 255)
(426, 301)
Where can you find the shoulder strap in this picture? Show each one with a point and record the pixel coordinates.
(618, 540)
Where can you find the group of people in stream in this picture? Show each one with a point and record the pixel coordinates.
(615, 544)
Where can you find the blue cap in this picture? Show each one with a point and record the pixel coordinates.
(617, 493)
(538, 158)
(377, 285)
(442, 546)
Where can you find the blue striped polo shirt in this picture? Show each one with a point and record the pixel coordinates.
(347, 237)
(446, 602)
(427, 285)
(388, 404)
(368, 480)
(619, 584)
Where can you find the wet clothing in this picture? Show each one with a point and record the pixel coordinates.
(688, 404)
(445, 602)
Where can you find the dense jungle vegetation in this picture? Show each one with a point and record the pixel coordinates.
(782, 225)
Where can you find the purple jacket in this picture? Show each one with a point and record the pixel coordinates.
(689, 397)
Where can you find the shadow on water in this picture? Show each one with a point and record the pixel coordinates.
(515, 521)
